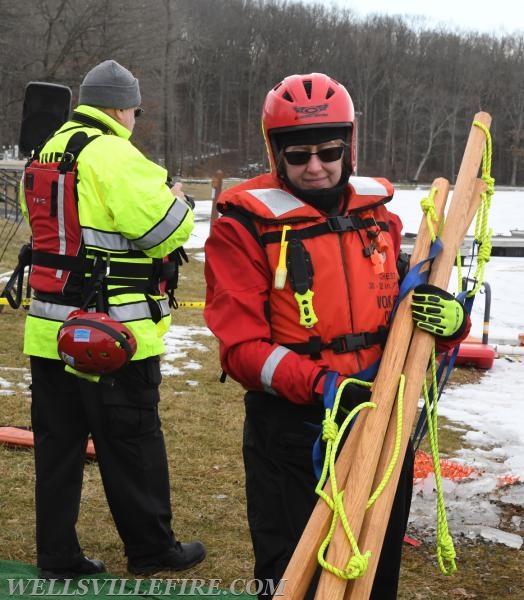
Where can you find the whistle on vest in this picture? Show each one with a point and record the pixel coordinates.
(281, 270)
(300, 269)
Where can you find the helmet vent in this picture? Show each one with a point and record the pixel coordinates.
(287, 97)
(330, 92)
(307, 86)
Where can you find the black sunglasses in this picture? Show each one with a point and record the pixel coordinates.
(302, 157)
(138, 111)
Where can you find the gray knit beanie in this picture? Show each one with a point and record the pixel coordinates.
(110, 85)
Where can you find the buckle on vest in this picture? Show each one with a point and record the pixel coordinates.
(339, 223)
(349, 343)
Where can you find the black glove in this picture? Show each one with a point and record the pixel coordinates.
(353, 395)
(190, 201)
(438, 312)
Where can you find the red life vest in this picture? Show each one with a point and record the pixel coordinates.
(59, 263)
(51, 199)
(341, 282)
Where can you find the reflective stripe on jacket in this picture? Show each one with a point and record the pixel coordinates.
(127, 213)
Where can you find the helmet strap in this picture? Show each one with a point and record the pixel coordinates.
(116, 335)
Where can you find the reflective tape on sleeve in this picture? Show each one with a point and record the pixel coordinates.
(106, 240)
(269, 368)
(166, 227)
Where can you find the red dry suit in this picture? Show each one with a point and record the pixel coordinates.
(350, 268)
(347, 263)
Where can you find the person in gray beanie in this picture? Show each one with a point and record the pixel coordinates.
(110, 85)
(105, 246)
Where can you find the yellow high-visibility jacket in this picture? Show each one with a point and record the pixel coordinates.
(127, 215)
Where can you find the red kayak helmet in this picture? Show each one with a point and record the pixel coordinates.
(92, 342)
(312, 101)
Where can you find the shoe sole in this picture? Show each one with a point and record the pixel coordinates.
(64, 576)
(152, 569)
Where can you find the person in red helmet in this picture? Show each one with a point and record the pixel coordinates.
(301, 272)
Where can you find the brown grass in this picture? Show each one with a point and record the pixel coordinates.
(203, 430)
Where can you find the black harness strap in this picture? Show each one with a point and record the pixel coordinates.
(92, 122)
(132, 271)
(351, 342)
(58, 261)
(13, 289)
(77, 142)
(336, 224)
(247, 222)
(119, 272)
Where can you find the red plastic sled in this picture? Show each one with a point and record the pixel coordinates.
(18, 437)
(475, 354)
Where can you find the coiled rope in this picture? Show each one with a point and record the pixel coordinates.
(333, 435)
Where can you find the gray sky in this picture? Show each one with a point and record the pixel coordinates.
(490, 16)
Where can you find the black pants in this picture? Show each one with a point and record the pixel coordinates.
(280, 489)
(124, 423)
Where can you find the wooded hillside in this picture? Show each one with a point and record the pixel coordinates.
(205, 66)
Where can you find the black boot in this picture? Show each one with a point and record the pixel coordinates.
(177, 558)
(85, 566)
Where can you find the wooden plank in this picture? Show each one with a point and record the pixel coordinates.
(368, 451)
(377, 516)
(303, 563)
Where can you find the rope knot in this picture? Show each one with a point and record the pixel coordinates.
(357, 566)
(490, 183)
(485, 250)
(447, 548)
(428, 207)
(329, 430)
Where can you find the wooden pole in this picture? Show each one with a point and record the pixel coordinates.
(303, 563)
(368, 451)
(376, 517)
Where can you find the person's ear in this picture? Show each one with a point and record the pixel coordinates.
(120, 115)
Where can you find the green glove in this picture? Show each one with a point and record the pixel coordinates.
(437, 311)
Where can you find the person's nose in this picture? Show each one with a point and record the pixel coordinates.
(314, 163)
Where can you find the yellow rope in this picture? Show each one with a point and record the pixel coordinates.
(445, 547)
(428, 208)
(332, 435)
(398, 440)
(482, 234)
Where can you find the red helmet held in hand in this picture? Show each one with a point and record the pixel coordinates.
(313, 101)
(95, 343)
